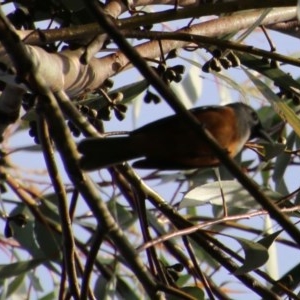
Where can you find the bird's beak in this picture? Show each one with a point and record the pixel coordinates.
(264, 135)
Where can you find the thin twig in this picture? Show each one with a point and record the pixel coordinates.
(196, 227)
(202, 40)
(67, 149)
(198, 270)
(91, 258)
(68, 244)
(209, 244)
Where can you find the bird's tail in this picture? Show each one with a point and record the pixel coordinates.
(103, 152)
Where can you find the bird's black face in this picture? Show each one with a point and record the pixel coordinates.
(248, 122)
(257, 130)
(254, 123)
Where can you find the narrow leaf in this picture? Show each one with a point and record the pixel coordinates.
(272, 150)
(283, 160)
(256, 255)
(192, 83)
(192, 291)
(129, 92)
(291, 279)
(268, 240)
(18, 268)
(281, 79)
(234, 193)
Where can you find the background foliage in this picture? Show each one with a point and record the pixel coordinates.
(72, 69)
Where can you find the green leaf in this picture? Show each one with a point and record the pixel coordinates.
(3, 284)
(256, 255)
(272, 150)
(268, 240)
(289, 115)
(192, 84)
(15, 269)
(15, 284)
(234, 193)
(35, 281)
(192, 291)
(281, 79)
(231, 83)
(49, 241)
(49, 207)
(123, 216)
(190, 88)
(107, 289)
(29, 115)
(291, 279)
(102, 289)
(29, 148)
(130, 92)
(25, 235)
(50, 296)
(283, 161)
(35, 237)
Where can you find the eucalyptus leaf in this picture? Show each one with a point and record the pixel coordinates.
(50, 296)
(49, 241)
(29, 148)
(256, 255)
(279, 77)
(122, 215)
(268, 240)
(15, 284)
(231, 83)
(234, 193)
(192, 291)
(284, 110)
(25, 234)
(290, 279)
(129, 92)
(272, 150)
(283, 160)
(193, 84)
(15, 269)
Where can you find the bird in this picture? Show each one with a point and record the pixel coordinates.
(171, 144)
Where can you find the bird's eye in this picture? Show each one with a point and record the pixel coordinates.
(254, 116)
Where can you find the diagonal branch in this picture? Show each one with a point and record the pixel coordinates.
(67, 149)
(170, 97)
(80, 78)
